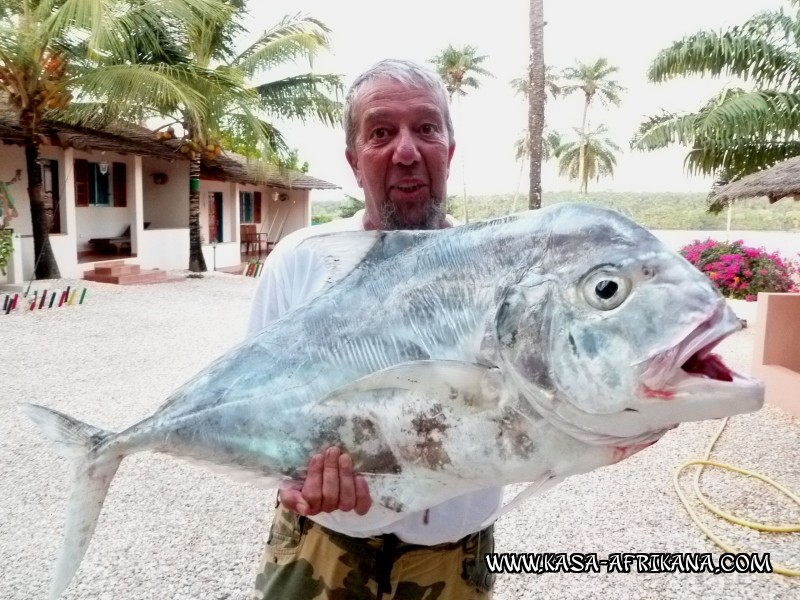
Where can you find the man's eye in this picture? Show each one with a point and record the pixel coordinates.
(428, 128)
(380, 133)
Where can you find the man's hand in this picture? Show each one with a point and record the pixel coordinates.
(329, 485)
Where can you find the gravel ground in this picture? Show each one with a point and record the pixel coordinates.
(174, 530)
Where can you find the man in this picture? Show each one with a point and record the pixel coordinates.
(399, 143)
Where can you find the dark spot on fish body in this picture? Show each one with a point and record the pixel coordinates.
(431, 430)
(327, 433)
(392, 503)
(363, 430)
(383, 461)
(589, 343)
(512, 436)
(572, 345)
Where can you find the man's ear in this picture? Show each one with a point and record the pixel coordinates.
(352, 160)
(450, 151)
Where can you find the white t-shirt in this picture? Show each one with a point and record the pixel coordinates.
(291, 276)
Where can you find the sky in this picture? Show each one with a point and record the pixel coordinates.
(629, 33)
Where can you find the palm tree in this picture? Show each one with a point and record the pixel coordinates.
(551, 148)
(738, 131)
(590, 156)
(552, 84)
(51, 66)
(551, 140)
(536, 100)
(241, 105)
(458, 68)
(593, 81)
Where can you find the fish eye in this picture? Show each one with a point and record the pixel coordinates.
(606, 291)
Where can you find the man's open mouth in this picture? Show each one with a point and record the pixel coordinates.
(408, 188)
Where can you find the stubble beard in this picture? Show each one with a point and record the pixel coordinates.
(432, 216)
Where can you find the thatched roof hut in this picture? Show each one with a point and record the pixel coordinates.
(133, 139)
(775, 183)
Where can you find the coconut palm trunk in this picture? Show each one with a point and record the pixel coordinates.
(197, 262)
(536, 100)
(45, 263)
(463, 172)
(583, 182)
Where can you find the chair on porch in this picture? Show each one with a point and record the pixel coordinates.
(248, 238)
(114, 244)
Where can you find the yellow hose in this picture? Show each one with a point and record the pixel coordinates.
(776, 568)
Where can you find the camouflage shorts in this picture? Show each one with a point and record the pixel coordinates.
(305, 561)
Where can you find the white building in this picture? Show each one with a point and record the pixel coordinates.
(119, 193)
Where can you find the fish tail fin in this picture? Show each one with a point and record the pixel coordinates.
(90, 478)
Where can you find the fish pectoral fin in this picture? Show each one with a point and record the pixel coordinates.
(467, 385)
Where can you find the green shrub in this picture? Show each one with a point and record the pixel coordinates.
(6, 248)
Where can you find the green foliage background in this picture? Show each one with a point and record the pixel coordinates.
(652, 210)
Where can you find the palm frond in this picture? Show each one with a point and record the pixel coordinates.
(100, 21)
(730, 116)
(735, 54)
(303, 97)
(251, 130)
(123, 86)
(293, 37)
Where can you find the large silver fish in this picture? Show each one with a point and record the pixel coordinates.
(523, 349)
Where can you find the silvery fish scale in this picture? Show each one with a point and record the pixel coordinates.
(523, 349)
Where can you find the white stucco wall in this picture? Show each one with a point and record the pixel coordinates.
(101, 221)
(229, 209)
(166, 206)
(286, 216)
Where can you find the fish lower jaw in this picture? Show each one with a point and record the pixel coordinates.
(681, 382)
(694, 397)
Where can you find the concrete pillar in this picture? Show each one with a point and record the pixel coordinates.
(70, 214)
(237, 211)
(137, 225)
(14, 267)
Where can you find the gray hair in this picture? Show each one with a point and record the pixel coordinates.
(404, 71)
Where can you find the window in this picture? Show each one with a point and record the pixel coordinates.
(246, 207)
(99, 186)
(95, 188)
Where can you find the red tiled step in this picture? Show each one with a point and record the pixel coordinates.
(117, 270)
(149, 276)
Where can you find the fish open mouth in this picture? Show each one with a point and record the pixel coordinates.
(692, 360)
(705, 364)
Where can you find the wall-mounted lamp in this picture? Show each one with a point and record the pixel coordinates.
(102, 166)
(160, 178)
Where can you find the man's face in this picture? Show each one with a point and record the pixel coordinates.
(401, 156)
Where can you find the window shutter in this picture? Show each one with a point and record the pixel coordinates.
(120, 183)
(257, 207)
(81, 182)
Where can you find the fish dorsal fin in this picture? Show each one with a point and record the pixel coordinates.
(476, 387)
(343, 251)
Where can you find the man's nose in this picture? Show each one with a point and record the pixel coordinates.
(406, 151)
